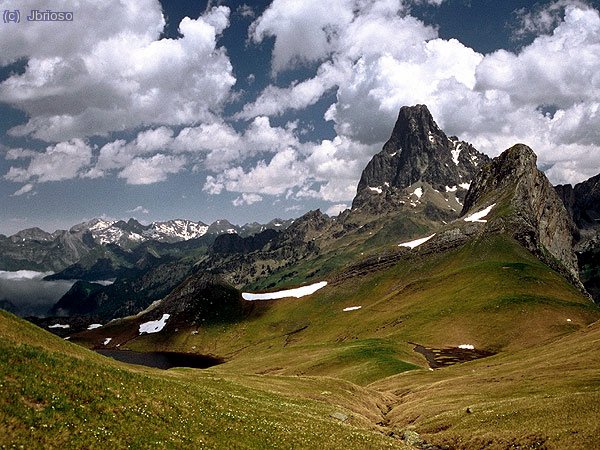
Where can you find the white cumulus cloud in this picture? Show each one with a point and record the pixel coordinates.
(152, 170)
(108, 71)
(138, 209)
(247, 199)
(62, 161)
(336, 209)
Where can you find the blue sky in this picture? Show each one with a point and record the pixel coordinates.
(255, 110)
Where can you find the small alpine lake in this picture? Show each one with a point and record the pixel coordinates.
(163, 360)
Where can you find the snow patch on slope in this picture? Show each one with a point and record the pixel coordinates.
(479, 216)
(416, 242)
(297, 292)
(154, 326)
(456, 152)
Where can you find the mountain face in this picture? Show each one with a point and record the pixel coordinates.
(583, 203)
(234, 243)
(34, 249)
(33, 234)
(202, 300)
(240, 261)
(419, 151)
(526, 206)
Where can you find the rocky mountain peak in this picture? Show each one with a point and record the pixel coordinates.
(308, 224)
(526, 206)
(583, 202)
(419, 151)
(31, 234)
(504, 170)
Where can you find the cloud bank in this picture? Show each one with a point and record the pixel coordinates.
(373, 56)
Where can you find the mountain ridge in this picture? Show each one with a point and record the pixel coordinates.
(419, 151)
(36, 249)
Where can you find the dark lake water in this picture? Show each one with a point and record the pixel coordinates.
(163, 360)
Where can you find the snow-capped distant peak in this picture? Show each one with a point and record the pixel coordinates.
(176, 230)
(100, 225)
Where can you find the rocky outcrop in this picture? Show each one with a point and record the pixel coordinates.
(234, 243)
(201, 300)
(587, 203)
(582, 202)
(527, 206)
(418, 150)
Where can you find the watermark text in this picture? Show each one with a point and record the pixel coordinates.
(37, 15)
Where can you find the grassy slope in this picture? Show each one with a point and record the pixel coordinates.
(367, 239)
(542, 397)
(542, 388)
(490, 293)
(57, 395)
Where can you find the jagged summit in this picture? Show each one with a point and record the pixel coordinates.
(583, 201)
(419, 151)
(526, 206)
(505, 170)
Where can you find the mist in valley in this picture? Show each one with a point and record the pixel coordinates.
(26, 293)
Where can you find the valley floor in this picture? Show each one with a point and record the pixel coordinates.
(58, 395)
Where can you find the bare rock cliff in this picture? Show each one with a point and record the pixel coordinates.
(527, 205)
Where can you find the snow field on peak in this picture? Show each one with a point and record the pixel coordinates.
(456, 151)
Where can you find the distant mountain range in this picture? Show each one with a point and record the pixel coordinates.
(36, 249)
